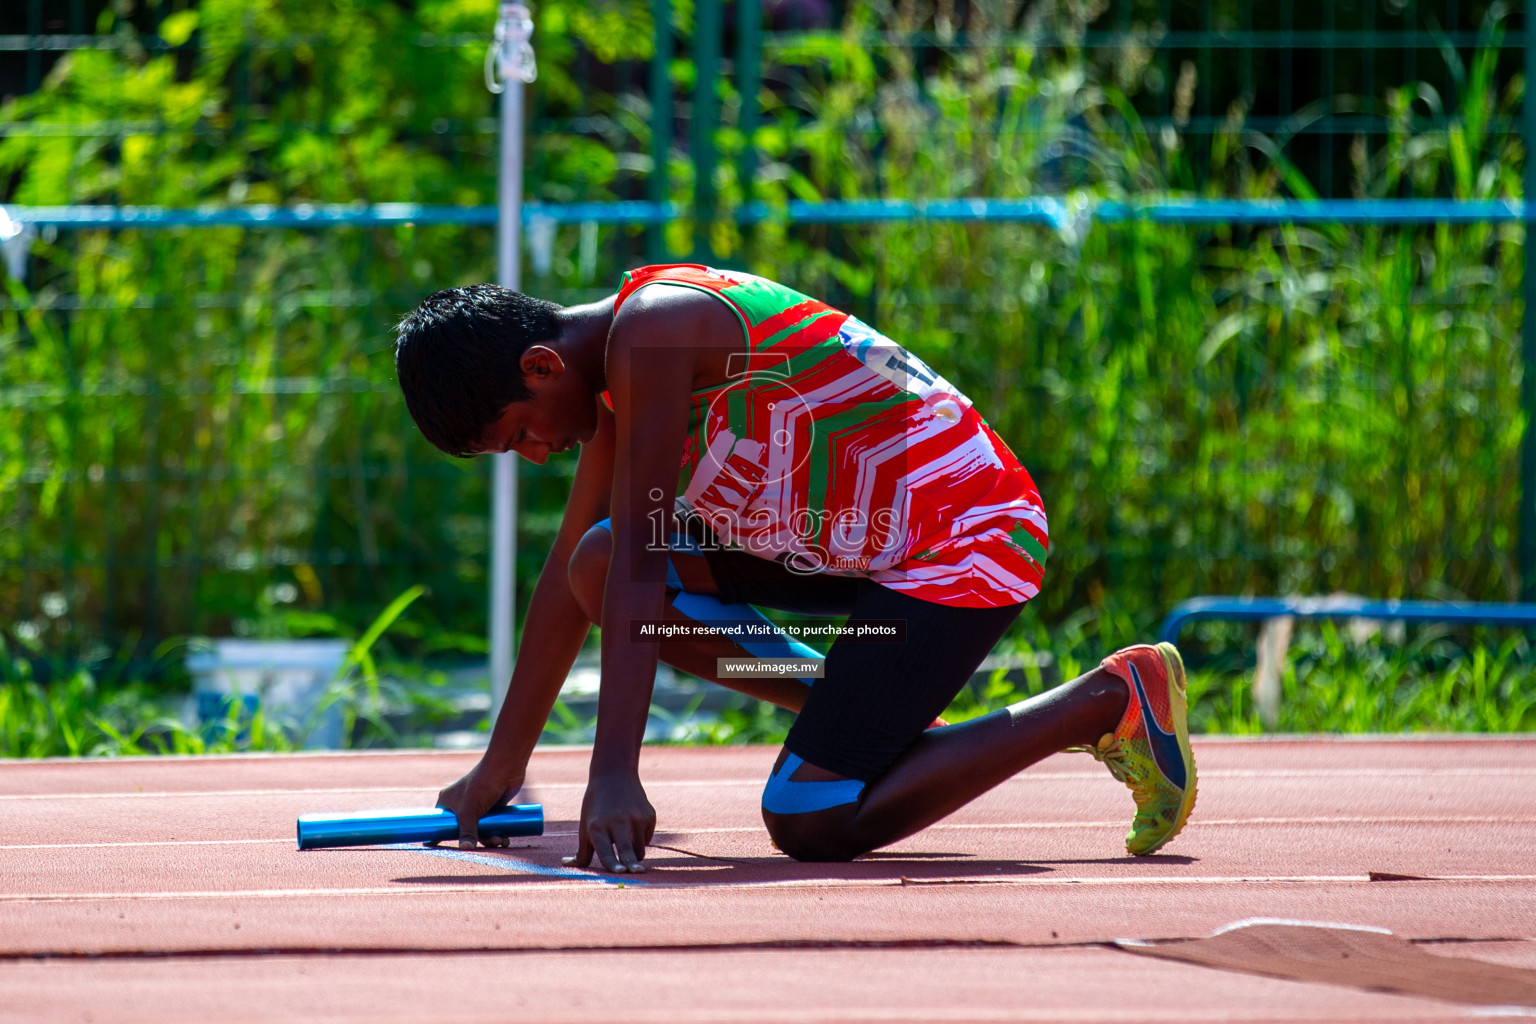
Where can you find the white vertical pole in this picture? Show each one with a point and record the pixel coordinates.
(512, 55)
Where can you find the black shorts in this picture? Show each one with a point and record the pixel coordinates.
(877, 697)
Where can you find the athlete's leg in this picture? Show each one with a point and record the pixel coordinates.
(945, 769)
(694, 597)
(859, 772)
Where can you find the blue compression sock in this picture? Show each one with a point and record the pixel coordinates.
(760, 638)
(763, 640)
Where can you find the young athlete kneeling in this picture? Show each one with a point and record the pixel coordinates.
(743, 444)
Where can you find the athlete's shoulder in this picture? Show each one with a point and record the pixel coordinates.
(670, 314)
(754, 297)
(664, 284)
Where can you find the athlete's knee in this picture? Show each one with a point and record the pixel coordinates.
(810, 837)
(811, 819)
(588, 571)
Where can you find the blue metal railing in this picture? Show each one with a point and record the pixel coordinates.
(1257, 609)
(1053, 211)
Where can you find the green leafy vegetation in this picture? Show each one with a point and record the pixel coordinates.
(116, 708)
(1333, 683)
(200, 431)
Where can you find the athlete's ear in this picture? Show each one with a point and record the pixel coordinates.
(541, 365)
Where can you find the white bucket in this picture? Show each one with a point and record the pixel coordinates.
(286, 679)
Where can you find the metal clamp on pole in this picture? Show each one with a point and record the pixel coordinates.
(509, 64)
(510, 55)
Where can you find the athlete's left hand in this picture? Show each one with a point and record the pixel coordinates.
(617, 821)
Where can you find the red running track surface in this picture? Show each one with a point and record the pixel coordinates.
(170, 889)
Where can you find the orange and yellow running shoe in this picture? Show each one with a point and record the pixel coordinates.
(1149, 750)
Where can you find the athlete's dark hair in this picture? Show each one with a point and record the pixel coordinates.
(457, 355)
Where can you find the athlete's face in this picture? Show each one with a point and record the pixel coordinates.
(560, 414)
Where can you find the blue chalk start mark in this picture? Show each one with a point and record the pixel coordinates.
(517, 864)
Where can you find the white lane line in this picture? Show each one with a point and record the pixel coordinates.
(517, 865)
(1474, 772)
(87, 845)
(1121, 823)
(942, 826)
(1189, 880)
(799, 883)
(1208, 775)
(1331, 820)
(272, 894)
(341, 791)
(290, 840)
(161, 795)
(1471, 771)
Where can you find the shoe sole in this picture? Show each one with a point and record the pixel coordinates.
(1179, 709)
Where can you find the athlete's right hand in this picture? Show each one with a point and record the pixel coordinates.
(473, 797)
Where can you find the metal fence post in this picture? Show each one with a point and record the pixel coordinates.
(1368, 62)
(1204, 88)
(657, 186)
(706, 69)
(34, 45)
(1528, 334)
(512, 59)
(1246, 24)
(749, 77)
(1326, 137)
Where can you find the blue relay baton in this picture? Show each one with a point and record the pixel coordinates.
(411, 825)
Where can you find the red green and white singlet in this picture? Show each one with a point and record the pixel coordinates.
(834, 449)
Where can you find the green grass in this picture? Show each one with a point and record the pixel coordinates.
(1332, 683)
(103, 710)
(1436, 680)
(86, 714)
(1433, 680)
(80, 715)
(194, 421)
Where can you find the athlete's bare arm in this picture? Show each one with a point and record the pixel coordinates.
(552, 636)
(665, 342)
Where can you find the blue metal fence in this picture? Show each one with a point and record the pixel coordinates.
(1048, 210)
(1259, 609)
